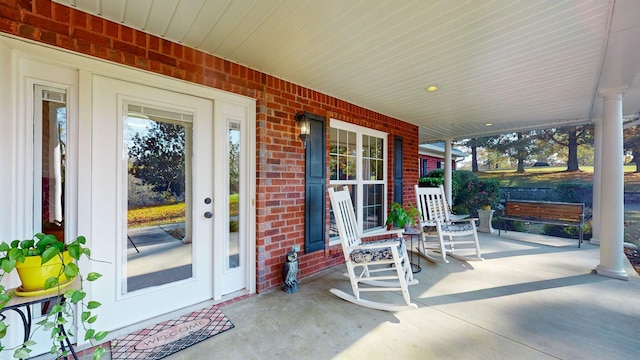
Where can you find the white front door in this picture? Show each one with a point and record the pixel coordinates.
(152, 200)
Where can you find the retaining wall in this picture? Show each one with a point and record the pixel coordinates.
(550, 194)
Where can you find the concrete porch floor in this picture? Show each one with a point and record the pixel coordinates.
(534, 297)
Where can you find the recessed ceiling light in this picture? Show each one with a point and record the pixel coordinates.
(488, 124)
(432, 88)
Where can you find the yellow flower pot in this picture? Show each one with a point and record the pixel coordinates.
(486, 207)
(33, 274)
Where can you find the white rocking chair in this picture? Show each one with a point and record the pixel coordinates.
(384, 264)
(452, 231)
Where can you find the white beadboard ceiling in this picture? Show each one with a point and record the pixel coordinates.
(517, 64)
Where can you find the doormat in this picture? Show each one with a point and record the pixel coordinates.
(171, 336)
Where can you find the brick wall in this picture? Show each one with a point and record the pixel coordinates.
(279, 153)
(432, 162)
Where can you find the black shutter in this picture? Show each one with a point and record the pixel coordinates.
(397, 170)
(315, 185)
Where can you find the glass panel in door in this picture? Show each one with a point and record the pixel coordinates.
(50, 142)
(158, 144)
(233, 249)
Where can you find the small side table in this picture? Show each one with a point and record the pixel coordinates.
(411, 233)
(22, 306)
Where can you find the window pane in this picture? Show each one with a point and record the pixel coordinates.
(372, 206)
(333, 230)
(333, 154)
(378, 149)
(379, 174)
(372, 158)
(342, 155)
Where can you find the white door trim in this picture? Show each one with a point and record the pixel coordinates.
(86, 67)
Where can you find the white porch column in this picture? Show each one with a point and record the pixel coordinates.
(447, 170)
(597, 178)
(612, 189)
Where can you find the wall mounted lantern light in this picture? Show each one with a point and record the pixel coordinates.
(305, 129)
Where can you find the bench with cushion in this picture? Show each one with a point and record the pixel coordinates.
(543, 212)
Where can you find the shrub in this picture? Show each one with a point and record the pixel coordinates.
(475, 193)
(576, 193)
(436, 173)
(570, 232)
(233, 226)
(233, 204)
(430, 181)
(460, 177)
(141, 195)
(468, 192)
(455, 179)
(515, 226)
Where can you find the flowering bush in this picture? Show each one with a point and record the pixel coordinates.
(484, 192)
(475, 193)
(469, 192)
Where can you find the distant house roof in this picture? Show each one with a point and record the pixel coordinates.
(437, 150)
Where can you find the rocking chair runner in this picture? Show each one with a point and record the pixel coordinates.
(451, 230)
(380, 265)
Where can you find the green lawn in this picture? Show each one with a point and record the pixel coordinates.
(552, 176)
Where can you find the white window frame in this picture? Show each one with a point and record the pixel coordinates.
(359, 181)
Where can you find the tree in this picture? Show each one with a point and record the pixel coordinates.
(158, 157)
(519, 146)
(570, 137)
(474, 144)
(234, 162)
(632, 143)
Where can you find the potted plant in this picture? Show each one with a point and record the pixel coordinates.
(403, 216)
(36, 262)
(47, 250)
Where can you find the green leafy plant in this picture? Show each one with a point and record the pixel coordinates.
(49, 248)
(430, 181)
(402, 215)
(470, 193)
(436, 177)
(575, 192)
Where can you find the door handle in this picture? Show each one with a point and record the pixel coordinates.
(208, 214)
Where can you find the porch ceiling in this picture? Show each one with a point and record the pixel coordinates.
(517, 64)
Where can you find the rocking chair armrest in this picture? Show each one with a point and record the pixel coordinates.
(373, 246)
(465, 220)
(382, 233)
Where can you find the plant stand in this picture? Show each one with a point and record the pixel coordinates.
(22, 306)
(486, 216)
(411, 233)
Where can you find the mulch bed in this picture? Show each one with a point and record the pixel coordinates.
(634, 258)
